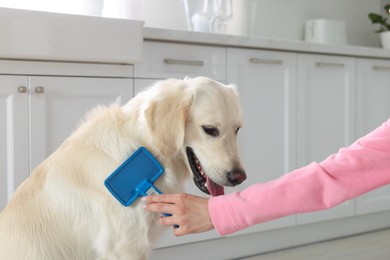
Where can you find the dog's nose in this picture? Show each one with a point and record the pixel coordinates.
(236, 176)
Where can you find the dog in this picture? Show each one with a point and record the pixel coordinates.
(64, 211)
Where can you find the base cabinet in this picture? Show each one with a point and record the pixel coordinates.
(14, 134)
(171, 60)
(373, 108)
(325, 117)
(38, 113)
(297, 108)
(267, 86)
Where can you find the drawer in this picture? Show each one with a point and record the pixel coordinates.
(167, 60)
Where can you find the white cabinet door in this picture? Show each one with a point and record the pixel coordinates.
(168, 239)
(266, 84)
(13, 135)
(58, 104)
(325, 102)
(373, 108)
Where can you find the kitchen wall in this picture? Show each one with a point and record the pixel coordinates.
(285, 19)
(282, 19)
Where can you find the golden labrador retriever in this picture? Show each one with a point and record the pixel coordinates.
(64, 211)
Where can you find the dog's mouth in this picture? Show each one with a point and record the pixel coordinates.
(201, 180)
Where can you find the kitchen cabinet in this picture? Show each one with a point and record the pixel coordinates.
(266, 81)
(170, 60)
(61, 104)
(14, 135)
(297, 108)
(325, 117)
(373, 108)
(38, 112)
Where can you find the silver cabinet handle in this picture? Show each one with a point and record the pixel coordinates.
(39, 90)
(265, 61)
(381, 68)
(22, 89)
(184, 62)
(330, 65)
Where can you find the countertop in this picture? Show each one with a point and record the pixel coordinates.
(253, 42)
(46, 36)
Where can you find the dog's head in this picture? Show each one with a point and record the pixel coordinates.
(199, 118)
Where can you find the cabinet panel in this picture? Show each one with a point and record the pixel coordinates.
(168, 239)
(166, 60)
(266, 84)
(326, 115)
(58, 104)
(13, 135)
(373, 108)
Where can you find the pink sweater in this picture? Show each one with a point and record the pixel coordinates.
(360, 168)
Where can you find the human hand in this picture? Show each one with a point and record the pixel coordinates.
(189, 212)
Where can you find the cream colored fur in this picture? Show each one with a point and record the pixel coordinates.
(64, 211)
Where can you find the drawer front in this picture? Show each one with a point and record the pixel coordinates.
(166, 60)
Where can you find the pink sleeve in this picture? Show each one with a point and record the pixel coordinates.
(360, 168)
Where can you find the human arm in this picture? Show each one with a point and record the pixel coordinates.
(360, 168)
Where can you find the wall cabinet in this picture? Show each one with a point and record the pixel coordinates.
(37, 113)
(373, 108)
(325, 116)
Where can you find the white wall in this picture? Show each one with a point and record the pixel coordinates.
(171, 14)
(282, 19)
(286, 18)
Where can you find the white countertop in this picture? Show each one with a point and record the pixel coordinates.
(45, 36)
(157, 34)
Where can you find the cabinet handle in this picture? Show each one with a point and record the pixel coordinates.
(330, 65)
(22, 89)
(265, 61)
(184, 62)
(380, 68)
(39, 90)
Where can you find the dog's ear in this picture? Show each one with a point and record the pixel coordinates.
(166, 116)
(233, 88)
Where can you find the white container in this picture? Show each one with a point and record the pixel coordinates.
(325, 31)
(385, 39)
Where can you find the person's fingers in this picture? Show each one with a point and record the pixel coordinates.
(161, 198)
(181, 231)
(178, 229)
(188, 213)
(160, 207)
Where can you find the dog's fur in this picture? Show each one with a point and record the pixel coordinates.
(64, 211)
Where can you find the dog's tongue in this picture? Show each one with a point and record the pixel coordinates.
(214, 189)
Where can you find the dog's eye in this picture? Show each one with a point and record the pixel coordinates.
(238, 128)
(211, 130)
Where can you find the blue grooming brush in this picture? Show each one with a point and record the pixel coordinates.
(135, 178)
